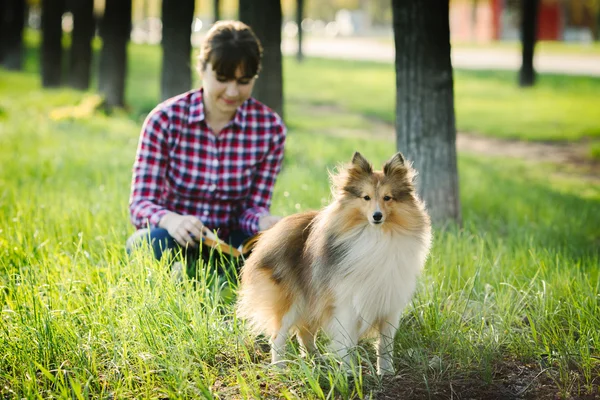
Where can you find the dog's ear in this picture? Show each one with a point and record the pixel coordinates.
(397, 161)
(358, 161)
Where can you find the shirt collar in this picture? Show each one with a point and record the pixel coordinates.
(240, 114)
(197, 106)
(197, 113)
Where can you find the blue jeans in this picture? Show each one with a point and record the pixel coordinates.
(161, 242)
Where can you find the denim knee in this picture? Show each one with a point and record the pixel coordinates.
(158, 238)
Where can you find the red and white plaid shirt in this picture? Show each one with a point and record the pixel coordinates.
(226, 180)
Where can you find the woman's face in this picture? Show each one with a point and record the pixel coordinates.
(225, 95)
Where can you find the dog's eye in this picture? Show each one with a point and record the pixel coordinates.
(386, 198)
(367, 198)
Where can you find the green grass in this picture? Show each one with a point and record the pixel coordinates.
(558, 108)
(515, 288)
(542, 47)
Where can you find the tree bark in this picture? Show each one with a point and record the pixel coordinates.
(177, 17)
(12, 22)
(216, 10)
(115, 29)
(264, 17)
(529, 13)
(425, 123)
(81, 44)
(299, 18)
(51, 63)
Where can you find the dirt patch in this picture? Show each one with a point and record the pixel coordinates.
(511, 381)
(573, 154)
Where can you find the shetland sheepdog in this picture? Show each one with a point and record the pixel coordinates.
(348, 269)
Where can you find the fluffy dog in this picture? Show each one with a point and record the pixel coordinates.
(349, 269)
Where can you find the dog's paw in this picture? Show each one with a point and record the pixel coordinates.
(385, 368)
(387, 371)
(279, 364)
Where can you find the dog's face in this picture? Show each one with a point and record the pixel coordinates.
(380, 198)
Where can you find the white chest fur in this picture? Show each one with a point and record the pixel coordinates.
(378, 276)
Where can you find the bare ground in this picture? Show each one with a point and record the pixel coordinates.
(570, 154)
(510, 381)
(567, 153)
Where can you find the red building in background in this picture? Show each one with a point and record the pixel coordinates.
(487, 20)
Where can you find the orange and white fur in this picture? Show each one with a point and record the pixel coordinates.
(349, 269)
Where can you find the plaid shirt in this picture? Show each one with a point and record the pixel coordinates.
(226, 181)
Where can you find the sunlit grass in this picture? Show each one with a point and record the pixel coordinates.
(519, 282)
(558, 108)
(541, 47)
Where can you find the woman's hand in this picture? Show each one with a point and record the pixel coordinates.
(267, 221)
(185, 229)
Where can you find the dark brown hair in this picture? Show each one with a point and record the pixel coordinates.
(229, 45)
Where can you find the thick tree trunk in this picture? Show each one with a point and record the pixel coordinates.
(12, 22)
(425, 124)
(51, 63)
(216, 10)
(81, 45)
(529, 12)
(264, 17)
(299, 18)
(177, 17)
(597, 27)
(115, 29)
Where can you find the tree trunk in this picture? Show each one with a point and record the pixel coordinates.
(12, 22)
(177, 17)
(51, 63)
(299, 17)
(115, 29)
(264, 17)
(216, 10)
(425, 124)
(529, 12)
(597, 27)
(81, 45)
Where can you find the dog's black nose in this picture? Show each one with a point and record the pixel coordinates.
(377, 215)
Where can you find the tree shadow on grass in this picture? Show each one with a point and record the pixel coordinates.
(521, 205)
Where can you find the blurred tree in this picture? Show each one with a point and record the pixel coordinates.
(264, 16)
(365, 22)
(299, 17)
(51, 62)
(529, 16)
(81, 46)
(216, 10)
(177, 18)
(381, 12)
(425, 122)
(115, 29)
(12, 21)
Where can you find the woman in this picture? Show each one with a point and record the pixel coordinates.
(208, 159)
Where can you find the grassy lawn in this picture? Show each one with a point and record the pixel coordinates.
(487, 102)
(542, 47)
(508, 303)
(558, 108)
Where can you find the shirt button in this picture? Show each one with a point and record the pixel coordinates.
(212, 187)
